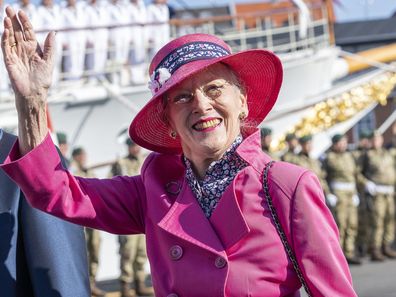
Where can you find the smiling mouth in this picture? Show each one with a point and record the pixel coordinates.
(201, 126)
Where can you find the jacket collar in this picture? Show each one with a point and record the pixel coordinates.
(250, 150)
(227, 225)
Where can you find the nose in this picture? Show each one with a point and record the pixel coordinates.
(201, 103)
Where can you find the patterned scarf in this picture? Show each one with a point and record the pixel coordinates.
(218, 176)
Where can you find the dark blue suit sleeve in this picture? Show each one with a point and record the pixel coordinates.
(55, 254)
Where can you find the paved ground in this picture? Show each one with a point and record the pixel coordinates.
(370, 280)
(374, 279)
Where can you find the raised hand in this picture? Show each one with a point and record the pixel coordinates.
(29, 68)
(30, 72)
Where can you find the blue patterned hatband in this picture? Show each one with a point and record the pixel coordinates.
(191, 52)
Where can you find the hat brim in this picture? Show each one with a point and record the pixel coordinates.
(259, 70)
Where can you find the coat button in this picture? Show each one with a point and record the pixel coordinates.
(176, 252)
(220, 262)
(172, 295)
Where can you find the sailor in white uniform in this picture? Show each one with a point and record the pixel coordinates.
(97, 15)
(73, 41)
(4, 83)
(28, 8)
(119, 37)
(158, 12)
(139, 41)
(48, 18)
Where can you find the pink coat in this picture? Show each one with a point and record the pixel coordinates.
(237, 252)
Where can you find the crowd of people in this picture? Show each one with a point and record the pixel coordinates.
(98, 38)
(359, 186)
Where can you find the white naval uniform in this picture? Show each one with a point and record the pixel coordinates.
(139, 41)
(97, 39)
(4, 86)
(119, 37)
(48, 18)
(159, 34)
(30, 11)
(74, 41)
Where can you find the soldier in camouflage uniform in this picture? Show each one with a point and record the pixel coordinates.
(303, 159)
(365, 207)
(92, 236)
(266, 139)
(378, 168)
(63, 147)
(132, 247)
(341, 174)
(292, 145)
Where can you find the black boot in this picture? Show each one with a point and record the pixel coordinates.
(354, 260)
(389, 252)
(376, 255)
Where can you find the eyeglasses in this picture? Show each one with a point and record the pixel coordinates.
(211, 91)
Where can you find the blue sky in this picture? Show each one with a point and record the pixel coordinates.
(348, 10)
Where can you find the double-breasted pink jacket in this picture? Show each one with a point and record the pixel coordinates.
(236, 252)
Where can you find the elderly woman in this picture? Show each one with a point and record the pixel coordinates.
(219, 219)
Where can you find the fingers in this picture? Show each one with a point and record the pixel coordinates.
(10, 39)
(26, 26)
(49, 47)
(16, 32)
(5, 44)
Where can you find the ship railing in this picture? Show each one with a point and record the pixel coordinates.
(241, 32)
(265, 32)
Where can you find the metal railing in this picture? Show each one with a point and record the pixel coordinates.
(235, 30)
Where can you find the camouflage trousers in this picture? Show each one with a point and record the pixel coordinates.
(346, 215)
(133, 257)
(383, 216)
(92, 237)
(365, 221)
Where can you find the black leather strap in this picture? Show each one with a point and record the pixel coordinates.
(282, 235)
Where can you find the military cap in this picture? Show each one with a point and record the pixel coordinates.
(62, 137)
(290, 136)
(129, 142)
(364, 134)
(305, 138)
(265, 131)
(77, 151)
(374, 133)
(336, 138)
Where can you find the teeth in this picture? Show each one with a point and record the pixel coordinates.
(208, 124)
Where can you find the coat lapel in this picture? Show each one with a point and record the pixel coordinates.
(227, 219)
(186, 220)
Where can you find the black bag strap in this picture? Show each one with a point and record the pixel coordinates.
(279, 228)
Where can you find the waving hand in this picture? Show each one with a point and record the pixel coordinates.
(29, 68)
(30, 72)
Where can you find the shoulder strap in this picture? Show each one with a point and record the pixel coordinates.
(279, 228)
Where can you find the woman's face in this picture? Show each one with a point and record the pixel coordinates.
(204, 111)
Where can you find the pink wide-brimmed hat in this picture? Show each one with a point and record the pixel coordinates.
(259, 70)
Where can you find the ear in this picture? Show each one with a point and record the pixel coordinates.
(243, 100)
(166, 119)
